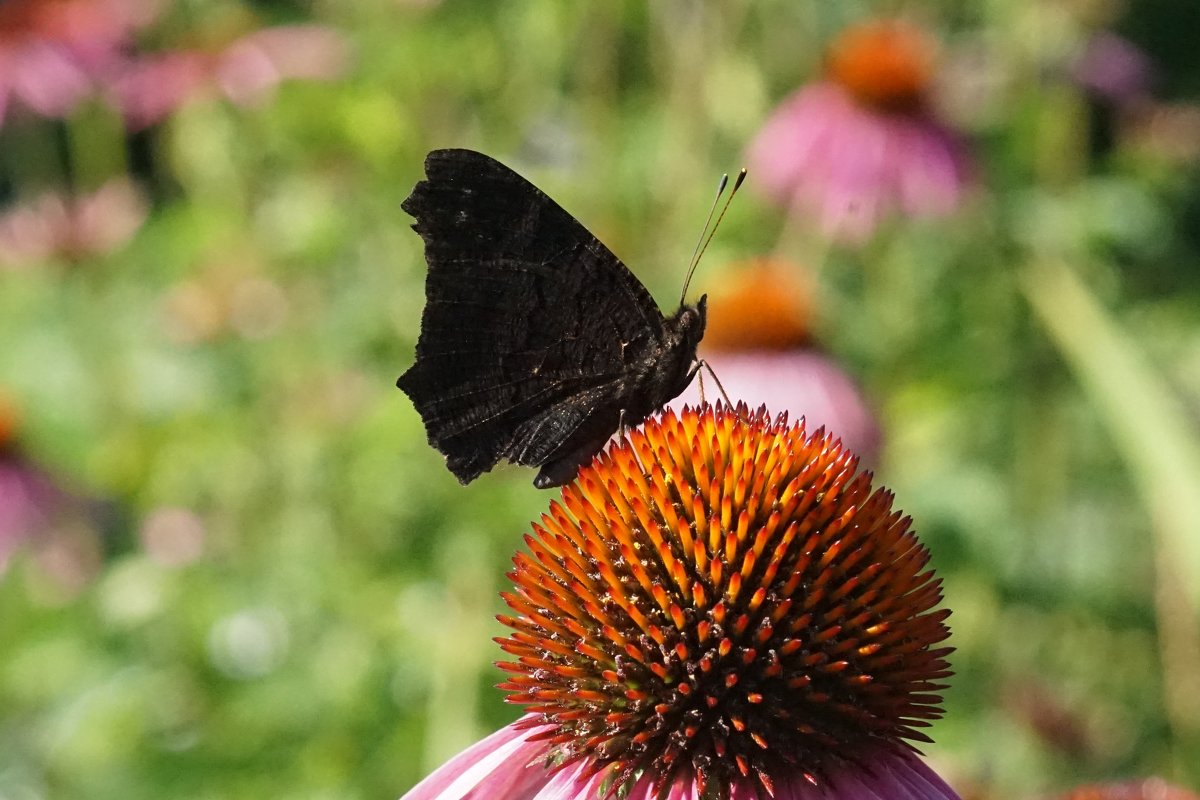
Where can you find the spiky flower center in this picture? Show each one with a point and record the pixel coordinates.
(885, 64)
(723, 598)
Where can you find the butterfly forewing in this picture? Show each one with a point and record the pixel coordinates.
(531, 325)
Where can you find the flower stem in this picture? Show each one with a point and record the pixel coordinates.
(1160, 445)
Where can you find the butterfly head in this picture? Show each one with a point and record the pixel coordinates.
(689, 324)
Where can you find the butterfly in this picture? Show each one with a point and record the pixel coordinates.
(536, 342)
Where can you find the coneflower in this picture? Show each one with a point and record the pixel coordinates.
(759, 340)
(863, 142)
(722, 607)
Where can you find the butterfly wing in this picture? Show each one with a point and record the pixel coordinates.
(528, 317)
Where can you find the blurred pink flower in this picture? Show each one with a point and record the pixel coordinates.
(27, 495)
(150, 89)
(1121, 77)
(26, 498)
(61, 528)
(804, 382)
(61, 226)
(758, 344)
(30, 498)
(50, 50)
(863, 143)
(172, 537)
(1143, 789)
(1115, 70)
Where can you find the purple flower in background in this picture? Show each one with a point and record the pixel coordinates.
(37, 510)
(150, 89)
(1144, 789)
(863, 143)
(56, 225)
(758, 344)
(50, 50)
(1115, 70)
(1121, 77)
(30, 499)
(27, 496)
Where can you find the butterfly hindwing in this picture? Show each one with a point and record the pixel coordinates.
(530, 322)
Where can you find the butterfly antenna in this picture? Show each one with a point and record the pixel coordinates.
(702, 242)
(695, 259)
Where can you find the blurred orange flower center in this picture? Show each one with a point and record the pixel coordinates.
(762, 306)
(16, 16)
(884, 64)
(53, 19)
(9, 419)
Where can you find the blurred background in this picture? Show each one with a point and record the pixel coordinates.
(231, 566)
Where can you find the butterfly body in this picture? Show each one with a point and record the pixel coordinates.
(536, 341)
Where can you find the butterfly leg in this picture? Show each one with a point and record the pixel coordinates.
(701, 363)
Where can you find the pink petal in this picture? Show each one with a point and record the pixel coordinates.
(46, 79)
(805, 383)
(29, 234)
(149, 90)
(890, 774)
(29, 500)
(504, 766)
(823, 152)
(255, 64)
(933, 180)
(568, 783)
(108, 217)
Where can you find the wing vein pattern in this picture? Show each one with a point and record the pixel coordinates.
(509, 364)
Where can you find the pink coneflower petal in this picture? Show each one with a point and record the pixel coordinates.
(862, 144)
(497, 768)
(853, 166)
(150, 89)
(107, 219)
(759, 345)
(505, 766)
(781, 153)
(806, 383)
(930, 173)
(1115, 69)
(45, 78)
(51, 51)
(28, 234)
(28, 500)
(72, 227)
(255, 64)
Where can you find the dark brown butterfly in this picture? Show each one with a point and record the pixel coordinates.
(536, 341)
